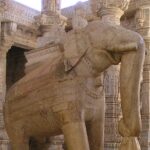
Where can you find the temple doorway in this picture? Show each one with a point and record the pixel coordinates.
(15, 68)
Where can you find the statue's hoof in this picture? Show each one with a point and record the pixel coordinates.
(130, 143)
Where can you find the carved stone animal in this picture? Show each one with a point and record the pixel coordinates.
(62, 97)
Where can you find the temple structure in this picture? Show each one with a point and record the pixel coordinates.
(27, 39)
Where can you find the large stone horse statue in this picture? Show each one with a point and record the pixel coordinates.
(62, 97)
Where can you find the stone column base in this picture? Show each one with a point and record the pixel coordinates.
(4, 145)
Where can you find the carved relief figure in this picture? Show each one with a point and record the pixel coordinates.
(62, 97)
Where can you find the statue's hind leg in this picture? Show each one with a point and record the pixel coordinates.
(131, 72)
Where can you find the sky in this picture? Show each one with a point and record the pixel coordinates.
(37, 5)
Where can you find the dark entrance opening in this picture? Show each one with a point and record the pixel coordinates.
(15, 68)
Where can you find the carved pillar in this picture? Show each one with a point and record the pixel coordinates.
(79, 20)
(48, 21)
(6, 41)
(50, 14)
(3, 137)
(4, 142)
(51, 6)
(143, 27)
(111, 12)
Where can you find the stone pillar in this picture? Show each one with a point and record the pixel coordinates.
(48, 16)
(112, 138)
(49, 21)
(51, 6)
(79, 20)
(143, 27)
(3, 136)
(4, 142)
(110, 12)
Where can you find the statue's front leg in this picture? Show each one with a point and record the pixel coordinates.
(95, 130)
(131, 72)
(19, 141)
(73, 126)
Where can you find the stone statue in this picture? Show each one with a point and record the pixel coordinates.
(62, 97)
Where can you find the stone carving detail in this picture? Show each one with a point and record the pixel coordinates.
(50, 16)
(50, 6)
(140, 18)
(50, 13)
(3, 5)
(142, 21)
(111, 11)
(97, 5)
(46, 21)
(122, 4)
(25, 17)
(8, 30)
(79, 21)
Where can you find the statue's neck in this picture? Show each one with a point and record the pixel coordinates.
(85, 67)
